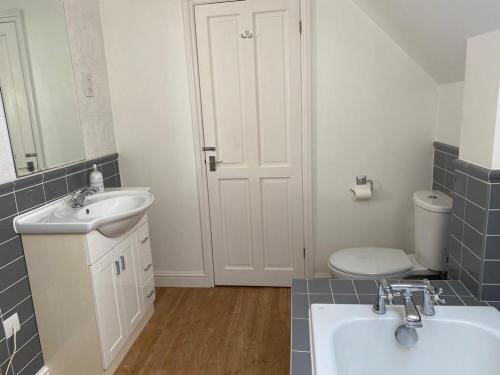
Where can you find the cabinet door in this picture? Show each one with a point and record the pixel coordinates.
(130, 283)
(106, 275)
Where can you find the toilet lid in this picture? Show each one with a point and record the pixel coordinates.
(371, 261)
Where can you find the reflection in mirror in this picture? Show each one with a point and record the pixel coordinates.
(37, 87)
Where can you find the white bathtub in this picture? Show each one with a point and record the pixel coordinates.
(352, 340)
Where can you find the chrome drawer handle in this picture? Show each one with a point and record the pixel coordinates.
(151, 292)
(146, 269)
(122, 259)
(145, 239)
(117, 265)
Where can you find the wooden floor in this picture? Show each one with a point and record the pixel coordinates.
(222, 330)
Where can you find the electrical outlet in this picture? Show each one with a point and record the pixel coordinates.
(11, 321)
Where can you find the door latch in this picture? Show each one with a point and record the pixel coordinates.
(212, 164)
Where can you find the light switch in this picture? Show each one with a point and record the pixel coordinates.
(88, 84)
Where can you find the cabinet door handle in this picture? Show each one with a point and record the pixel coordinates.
(146, 269)
(150, 293)
(145, 239)
(122, 259)
(117, 265)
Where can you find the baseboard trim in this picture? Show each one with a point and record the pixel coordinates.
(181, 279)
(43, 371)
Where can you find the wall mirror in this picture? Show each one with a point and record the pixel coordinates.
(37, 86)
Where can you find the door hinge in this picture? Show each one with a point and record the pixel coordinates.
(304, 252)
(300, 27)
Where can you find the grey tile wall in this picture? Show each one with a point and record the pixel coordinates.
(474, 239)
(444, 166)
(329, 291)
(21, 196)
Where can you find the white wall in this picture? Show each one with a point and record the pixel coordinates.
(87, 51)
(373, 113)
(449, 113)
(480, 138)
(150, 100)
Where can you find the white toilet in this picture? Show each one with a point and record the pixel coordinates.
(432, 213)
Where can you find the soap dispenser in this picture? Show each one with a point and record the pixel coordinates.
(96, 179)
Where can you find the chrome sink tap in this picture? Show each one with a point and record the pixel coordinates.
(77, 199)
(406, 334)
(387, 291)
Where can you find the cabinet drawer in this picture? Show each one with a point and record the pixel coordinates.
(144, 249)
(149, 293)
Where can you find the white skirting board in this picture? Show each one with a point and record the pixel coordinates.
(43, 371)
(182, 279)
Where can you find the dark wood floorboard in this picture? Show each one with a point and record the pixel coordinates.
(222, 330)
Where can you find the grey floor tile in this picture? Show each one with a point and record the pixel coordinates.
(299, 286)
(300, 334)
(301, 363)
(342, 286)
(365, 286)
(345, 299)
(320, 298)
(319, 286)
(300, 306)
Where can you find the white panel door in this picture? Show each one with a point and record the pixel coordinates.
(108, 303)
(130, 282)
(249, 68)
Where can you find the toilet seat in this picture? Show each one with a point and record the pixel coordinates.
(371, 261)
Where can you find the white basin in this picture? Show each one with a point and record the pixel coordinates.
(111, 213)
(352, 340)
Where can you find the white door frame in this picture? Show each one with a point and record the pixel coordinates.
(196, 115)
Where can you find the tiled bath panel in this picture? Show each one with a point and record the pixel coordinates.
(18, 197)
(307, 292)
(444, 167)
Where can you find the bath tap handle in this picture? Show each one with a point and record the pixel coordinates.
(436, 296)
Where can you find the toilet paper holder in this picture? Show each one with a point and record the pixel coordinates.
(362, 180)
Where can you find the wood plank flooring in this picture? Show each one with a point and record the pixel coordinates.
(222, 330)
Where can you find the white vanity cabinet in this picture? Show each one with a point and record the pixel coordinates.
(119, 280)
(92, 294)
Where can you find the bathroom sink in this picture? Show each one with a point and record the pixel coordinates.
(111, 213)
(352, 340)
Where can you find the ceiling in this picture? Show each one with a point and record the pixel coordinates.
(434, 32)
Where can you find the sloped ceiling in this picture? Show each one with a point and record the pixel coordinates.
(434, 32)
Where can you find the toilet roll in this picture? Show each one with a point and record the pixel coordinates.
(362, 192)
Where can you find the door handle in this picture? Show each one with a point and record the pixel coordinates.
(117, 265)
(122, 259)
(146, 269)
(145, 239)
(212, 164)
